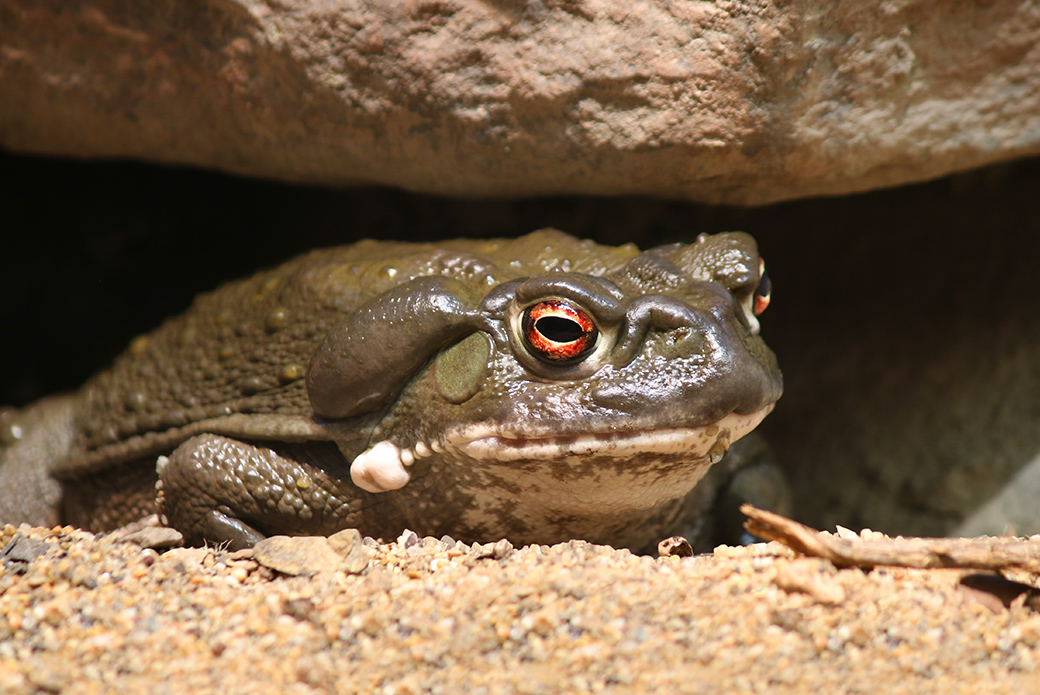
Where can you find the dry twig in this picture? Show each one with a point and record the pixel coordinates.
(986, 553)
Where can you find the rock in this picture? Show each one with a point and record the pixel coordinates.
(351, 549)
(22, 552)
(344, 542)
(296, 555)
(812, 577)
(676, 546)
(155, 537)
(184, 561)
(407, 539)
(500, 550)
(148, 532)
(742, 101)
(343, 551)
(1013, 510)
(998, 593)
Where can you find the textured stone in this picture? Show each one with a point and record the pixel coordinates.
(156, 538)
(351, 549)
(745, 101)
(297, 555)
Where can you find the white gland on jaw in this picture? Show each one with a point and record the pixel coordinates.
(381, 468)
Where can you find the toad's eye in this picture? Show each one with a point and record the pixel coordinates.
(764, 289)
(558, 331)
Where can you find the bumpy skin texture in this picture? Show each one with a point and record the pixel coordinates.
(409, 369)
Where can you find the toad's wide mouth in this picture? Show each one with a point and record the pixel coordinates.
(385, 465)
(486, 444)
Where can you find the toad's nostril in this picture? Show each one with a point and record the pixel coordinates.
(678, 335)
(685, 343)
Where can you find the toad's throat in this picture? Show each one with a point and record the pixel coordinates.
(384, 466)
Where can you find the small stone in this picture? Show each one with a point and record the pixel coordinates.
(345, 541)
(158, 538)
(300, 608)
(351, 548)
(502, 549)
(676, 546)
(845, 533)
(995, 592)
(407, 539)
(22, 551)
(47, 680)
(354, 563)
(494, 551)
(541, 622)
(57, 611)
(296, 555)
(83, 575)
(805, 575)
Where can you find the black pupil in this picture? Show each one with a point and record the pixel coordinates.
(559, 330)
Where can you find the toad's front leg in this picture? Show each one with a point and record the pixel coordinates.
(219, 490)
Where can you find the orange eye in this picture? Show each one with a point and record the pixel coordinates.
(558, 331)
(764, 289)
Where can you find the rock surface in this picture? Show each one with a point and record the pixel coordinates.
(92, 615)
(741, 101)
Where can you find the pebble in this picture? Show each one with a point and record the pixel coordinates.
(20, 551)
(351, 548)
(437, 616)
(675, 546)
(297, 555)
(156, 538)
(811, 577)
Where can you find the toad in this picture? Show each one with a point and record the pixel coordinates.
(539, 389)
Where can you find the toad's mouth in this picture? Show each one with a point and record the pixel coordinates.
(482, 445)
(384, 466)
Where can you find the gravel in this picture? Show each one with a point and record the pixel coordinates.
(81, 613)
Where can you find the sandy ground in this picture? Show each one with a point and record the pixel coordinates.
(91, 614)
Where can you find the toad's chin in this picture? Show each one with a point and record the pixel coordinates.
(600, 487)
(618, 487)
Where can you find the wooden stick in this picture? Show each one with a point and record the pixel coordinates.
(984, 553)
